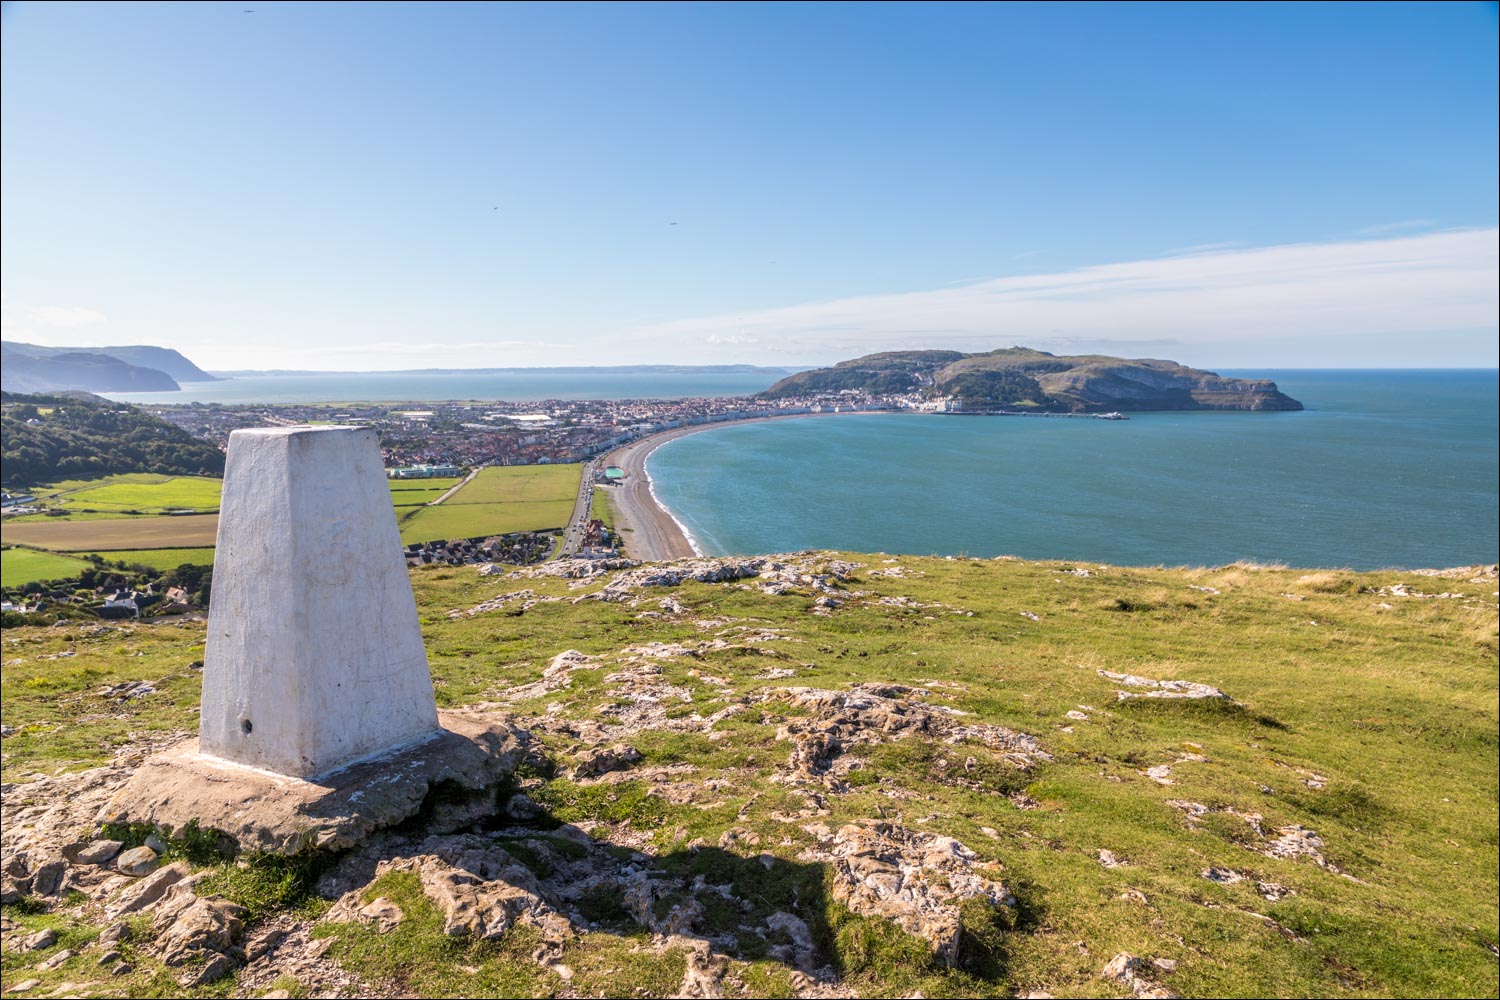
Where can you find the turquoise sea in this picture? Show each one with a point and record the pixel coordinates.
(401, 387)
(1383, 469)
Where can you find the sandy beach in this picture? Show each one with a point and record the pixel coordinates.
(649, 530)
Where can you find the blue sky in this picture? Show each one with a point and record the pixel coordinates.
(388, 186)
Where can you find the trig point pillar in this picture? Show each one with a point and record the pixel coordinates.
(314, 656)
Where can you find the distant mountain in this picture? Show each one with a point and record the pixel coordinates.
(572, 370)
(161, 359)
(1022, 378)
(22, 371)
(72, 435)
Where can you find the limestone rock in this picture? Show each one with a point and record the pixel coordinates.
(147, 891)
(916, 880)
(189, 927)
(98, 852)
(137, 861)
(606, 759)
(261, 811)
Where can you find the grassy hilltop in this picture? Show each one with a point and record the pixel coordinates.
(1328, 828)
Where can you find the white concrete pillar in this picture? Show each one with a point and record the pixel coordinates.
(314, 656)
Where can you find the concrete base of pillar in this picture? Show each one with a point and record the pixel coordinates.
(465, 763)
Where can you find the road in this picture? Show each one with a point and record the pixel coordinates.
(572, 539)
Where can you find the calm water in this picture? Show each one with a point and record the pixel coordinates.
(396, 388)
(1383, 468)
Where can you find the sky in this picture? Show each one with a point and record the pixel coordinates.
(385, 186)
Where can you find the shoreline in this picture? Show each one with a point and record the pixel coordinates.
(651, 531)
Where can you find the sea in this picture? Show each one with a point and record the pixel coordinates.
(403, 387)
(1382, 469)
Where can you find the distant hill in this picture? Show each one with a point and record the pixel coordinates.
(45, 438)
(1022, 378)
(137, 368)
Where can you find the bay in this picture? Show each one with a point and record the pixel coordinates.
(400, 387)
(1382, 469)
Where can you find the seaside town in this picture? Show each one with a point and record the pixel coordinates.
(439, 439)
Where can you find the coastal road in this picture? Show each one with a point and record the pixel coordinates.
(572, 539)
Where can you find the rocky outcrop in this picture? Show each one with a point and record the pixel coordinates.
(916, 880)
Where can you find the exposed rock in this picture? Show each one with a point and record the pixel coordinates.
(606, 759)
(53, 961)
(556, 676)
(98, 852)
(1127, 970)
(270, 812)
(1161, 689)
(189, 927)
(217, 967)
(45, 938)
(137, 861)
(916, 880)
(139, 895)
(875, 713)
(380, 912)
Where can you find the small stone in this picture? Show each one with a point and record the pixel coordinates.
(109, 957)
(24, 986)
(124, 968)
(98, 852)
(277, 995)
(113, 935)
(1122, 968)
(1165, 964)
(45, 938)
(156, 844)
(48, 878)
(55, 960)
(136, 862)
(264, 943)
(212, 971)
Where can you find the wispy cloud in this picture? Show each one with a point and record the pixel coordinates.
(1386, 228)
(1410, 284)
(733, 338)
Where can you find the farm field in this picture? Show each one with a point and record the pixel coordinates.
(161, 558)
(59, 535)
(521, 483)
(19, 567)
(138, 493)
(451, 520)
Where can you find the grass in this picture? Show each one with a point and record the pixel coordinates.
(19, 567)
(472, 520)
(162, 559)
(521, 484)
(1391, 702)
(602, 508)
(497, 501)
(134, 493)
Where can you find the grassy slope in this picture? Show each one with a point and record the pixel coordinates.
(1395, 707)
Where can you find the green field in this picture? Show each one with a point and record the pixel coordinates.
(440, 484)
(138, 493)
(162, 559)
(1362, 720)
(19, 567)
(601, 507)
(498, 501)
(472, 520)
(521, 483)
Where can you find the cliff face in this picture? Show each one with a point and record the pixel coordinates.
(1130, 386)
(23, 372)
(1021, 377)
